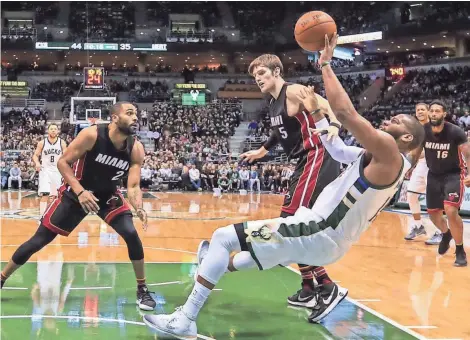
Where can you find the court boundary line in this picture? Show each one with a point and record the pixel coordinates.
(375, 313)
(86, 318)
(107, 246)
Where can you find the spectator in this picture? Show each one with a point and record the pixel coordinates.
(244, 177)
(15, 175)
(194, 176)
(5, 172)
(254, 178)
(224, 183)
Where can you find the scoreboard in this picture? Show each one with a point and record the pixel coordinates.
(190, 94)
(94, 78)
(56, 45)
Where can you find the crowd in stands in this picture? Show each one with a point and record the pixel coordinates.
(227, 176)
(56, 91)
(20, 131)
(101, 21)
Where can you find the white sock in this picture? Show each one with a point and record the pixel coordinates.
(224, 241)
(196, 300)
(418, 223)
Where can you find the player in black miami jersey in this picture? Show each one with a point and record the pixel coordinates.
(101, 156)
(291, 122)
(446, 148)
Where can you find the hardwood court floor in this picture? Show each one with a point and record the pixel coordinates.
(83, 286)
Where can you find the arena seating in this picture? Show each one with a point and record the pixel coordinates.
(100, 21)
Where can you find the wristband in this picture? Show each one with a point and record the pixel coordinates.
(324, 64)
(81, 192)
(335, 125)
(315, 112)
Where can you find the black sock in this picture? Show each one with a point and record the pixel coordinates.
(448, 233)
(459, 247)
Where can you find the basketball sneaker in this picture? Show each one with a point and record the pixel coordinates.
(445, 243)
(202, 250)
(172, 326)
(415, 232)
(328, 297)
(144, 299)
(303, 298)
(460, 258)
(435, 239)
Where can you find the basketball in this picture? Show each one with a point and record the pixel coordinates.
(311, 28)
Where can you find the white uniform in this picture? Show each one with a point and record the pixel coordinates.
(50, 178)
(419, 177)
(323, 234)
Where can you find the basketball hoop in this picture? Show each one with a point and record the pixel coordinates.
(92, 121)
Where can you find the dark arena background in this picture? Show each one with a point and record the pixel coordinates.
(184, 65)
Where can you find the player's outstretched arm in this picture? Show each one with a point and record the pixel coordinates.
(37, 154)
(134, 193)
(381, 145)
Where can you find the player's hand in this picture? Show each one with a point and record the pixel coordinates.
(327, 53)
(142, 215)
(38, 167)
(88, 202)
(332, 132)
(253, 155)
(308, 98)
(466, 181)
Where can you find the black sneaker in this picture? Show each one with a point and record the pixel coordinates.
(144, 299)
(303, 298)
(445, 243)
(3, 282)
(460, 258)
(328, 297)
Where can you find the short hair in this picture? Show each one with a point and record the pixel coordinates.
(271, 61)
(52, 124)
(424, 104)
(440, 103)
(116, 108)
(417, 130)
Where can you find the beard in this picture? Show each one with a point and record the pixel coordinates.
(437, 122)
(126, 130)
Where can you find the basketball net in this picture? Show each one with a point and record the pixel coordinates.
(92, 121)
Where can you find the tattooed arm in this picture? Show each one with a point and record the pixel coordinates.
(134, 193)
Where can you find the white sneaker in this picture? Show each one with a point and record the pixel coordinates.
(172, 326)
(201, 253)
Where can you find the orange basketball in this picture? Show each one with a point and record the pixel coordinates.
(311, 28)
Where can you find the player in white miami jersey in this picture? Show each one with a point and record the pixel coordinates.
(417, 187)
(320, 235)
(49, 151)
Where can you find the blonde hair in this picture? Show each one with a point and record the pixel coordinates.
(270, 61)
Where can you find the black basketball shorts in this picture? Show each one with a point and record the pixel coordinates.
(65, 213)
(443, 190)
(314, 171)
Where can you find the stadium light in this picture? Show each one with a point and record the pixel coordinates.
(45, 27)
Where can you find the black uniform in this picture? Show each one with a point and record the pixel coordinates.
(315, 168)
(446, 166)
(98, 171)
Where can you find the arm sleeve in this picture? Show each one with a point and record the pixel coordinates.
(272, 140)
(336, 147)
